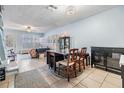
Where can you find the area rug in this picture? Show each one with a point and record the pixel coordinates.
(30, 79)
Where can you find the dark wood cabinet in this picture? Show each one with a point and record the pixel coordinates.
(64, 44)
(122, 75)
(106, 58)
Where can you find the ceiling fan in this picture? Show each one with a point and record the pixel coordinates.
(27, 28)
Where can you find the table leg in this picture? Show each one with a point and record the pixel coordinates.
(87, 60)
(54, 63)
(122, 82)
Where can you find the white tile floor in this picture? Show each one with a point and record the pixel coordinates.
(90, 78)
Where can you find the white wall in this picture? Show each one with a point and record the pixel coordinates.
(105, 29)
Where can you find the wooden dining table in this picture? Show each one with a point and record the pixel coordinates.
(55, 56)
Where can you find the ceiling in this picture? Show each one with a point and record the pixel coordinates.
(42, 19)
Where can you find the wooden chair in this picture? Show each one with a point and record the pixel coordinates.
(81, 57)
(70, 63)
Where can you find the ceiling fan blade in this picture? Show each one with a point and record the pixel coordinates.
(12, 25)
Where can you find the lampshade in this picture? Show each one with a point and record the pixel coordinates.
(121, 62)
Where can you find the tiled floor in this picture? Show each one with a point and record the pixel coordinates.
(90, 78)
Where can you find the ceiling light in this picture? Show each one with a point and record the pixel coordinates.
(28, 28)
(51, 7)
(70, 10)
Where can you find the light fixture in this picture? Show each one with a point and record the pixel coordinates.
(51, 7)
(28, 28)
(70, 10)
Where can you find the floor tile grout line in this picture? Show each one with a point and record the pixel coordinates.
(112, 83)
(90, 78)
(96, 80)
(103, 80)
(115, 77)
(85, 78)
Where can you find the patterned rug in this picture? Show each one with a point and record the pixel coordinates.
(30, 79)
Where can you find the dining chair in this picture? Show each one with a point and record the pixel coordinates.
(69, 64)
(81, 58)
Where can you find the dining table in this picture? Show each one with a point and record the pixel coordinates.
(54, 56)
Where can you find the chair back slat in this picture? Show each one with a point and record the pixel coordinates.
(83, 52)
(72, 56)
